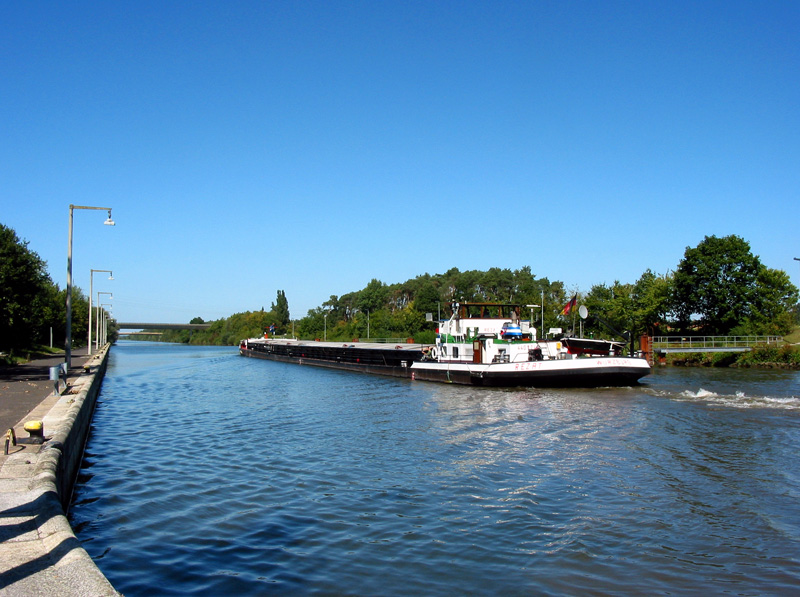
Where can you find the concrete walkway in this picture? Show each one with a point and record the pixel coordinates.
(39, 553)
(24, 387)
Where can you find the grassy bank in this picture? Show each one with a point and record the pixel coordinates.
(794, 337)
(28, 354)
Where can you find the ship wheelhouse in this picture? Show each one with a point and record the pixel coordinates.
(485, 333)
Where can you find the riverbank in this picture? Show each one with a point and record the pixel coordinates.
(770, 357)
(39, 553)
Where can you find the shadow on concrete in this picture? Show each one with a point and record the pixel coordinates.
(39, 511)
(35, 514)
(37, 565)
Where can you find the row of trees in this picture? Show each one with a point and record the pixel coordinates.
(32, 307)
(225, 332)
(718, 288)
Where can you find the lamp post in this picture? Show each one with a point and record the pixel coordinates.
(98, 344)
(91, 292)
(106, 315)
(325, 336)
(532, 307)
(68, 338)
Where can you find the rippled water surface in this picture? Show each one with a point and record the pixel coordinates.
(209, 474)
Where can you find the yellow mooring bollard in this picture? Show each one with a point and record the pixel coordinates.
(36, 431)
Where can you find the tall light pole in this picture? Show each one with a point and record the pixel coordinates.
(91, 292)
(68, 339)
(532, 307)
(106, 315)
(98, 344)
(325, 337)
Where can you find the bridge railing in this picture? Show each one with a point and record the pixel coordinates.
(697, 342)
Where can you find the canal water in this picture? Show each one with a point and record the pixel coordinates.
(211, 474)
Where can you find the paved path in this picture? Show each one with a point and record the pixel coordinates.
(24, 387)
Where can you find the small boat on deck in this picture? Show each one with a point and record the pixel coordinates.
(482, 344)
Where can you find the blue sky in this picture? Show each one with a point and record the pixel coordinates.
(247, 147)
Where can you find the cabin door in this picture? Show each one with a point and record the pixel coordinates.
(477, 352)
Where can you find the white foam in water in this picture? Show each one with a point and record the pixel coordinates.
(742, 400)
(790, 402)
(701, 393)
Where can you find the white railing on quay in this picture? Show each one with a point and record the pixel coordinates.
(695, 342)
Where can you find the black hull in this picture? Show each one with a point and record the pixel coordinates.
(358, 367)
(609, 377)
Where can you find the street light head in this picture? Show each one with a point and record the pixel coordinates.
(111, 277)
(109, 221)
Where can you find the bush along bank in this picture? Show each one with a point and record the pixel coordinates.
(770, 357)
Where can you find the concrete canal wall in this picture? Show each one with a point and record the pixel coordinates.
(39, 553)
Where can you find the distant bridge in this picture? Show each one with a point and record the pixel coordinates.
(162, 326)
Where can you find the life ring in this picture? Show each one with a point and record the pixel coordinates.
(434, 353)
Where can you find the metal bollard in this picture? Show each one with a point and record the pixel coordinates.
(56, 374)
(55, 377)
(11, 438)
(35, 430)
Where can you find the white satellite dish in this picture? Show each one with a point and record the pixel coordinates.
(583, 312)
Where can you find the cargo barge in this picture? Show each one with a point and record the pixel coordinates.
(484, 344)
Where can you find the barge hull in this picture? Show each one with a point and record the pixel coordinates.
(371, 368)
(599, 372)
(617, 376)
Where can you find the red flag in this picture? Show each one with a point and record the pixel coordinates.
(570, 305)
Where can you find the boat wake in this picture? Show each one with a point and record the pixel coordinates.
(735, 400)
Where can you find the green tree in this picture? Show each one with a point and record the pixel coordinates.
(24, 289)
(773, 310)
(312, 325)
(651, 297)
(373, 297)
(611, 310)
(427, 299)
(721, 286)
(281, 310)
(496, 285)
(80, 316)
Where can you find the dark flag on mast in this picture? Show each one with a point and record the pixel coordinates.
(570, 305)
